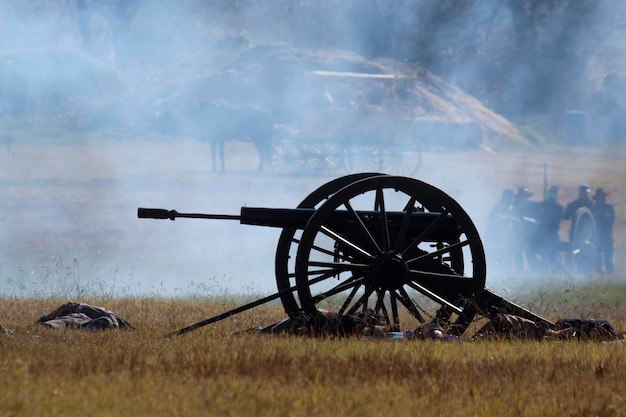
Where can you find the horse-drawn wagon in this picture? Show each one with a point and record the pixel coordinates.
(350, 122)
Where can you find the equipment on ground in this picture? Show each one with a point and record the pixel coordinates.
(374, 242)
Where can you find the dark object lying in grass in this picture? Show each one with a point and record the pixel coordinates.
(82, 316)
(327, 323)
(588, 329)
(500, 327)
(507, 326)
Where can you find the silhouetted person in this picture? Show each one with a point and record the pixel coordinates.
(575, 256)
(549, 223)
(604, 214)
(499, 229)
(583, 200)
(524, 225)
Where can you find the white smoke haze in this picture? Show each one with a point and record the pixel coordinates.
(99, 115)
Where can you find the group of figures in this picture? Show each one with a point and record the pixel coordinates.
(524, 235)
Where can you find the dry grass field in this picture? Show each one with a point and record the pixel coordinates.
(70, 232)
(211, 372)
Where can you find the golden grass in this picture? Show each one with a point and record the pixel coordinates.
(210, 372)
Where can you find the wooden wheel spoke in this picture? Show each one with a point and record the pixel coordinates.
(364, 230)
(329, 252)
(434, 254)
(406, 301)
(340, 266)
(427, 231)
(343, 286)
(405, 223)
(436, 298)
(444, 283)
(394, 310)
(335, 268)
(384, 225)
(380, 305)
(349, 299)
(362, 301)
(324, 275)
(380, 297)
(349, 246)
(449, 279)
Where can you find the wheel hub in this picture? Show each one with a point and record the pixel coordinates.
(389, 271)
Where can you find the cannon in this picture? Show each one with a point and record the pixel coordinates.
(372, 241)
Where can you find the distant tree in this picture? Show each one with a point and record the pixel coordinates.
(521, 57)
(552, 38)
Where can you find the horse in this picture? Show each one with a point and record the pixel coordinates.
(218, 122)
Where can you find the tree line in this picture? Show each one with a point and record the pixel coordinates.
(523, 58)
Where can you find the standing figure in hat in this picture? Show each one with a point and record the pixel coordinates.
(498, 231)
(548, 239)
(604, 214)
(524, 228)
(583, 200)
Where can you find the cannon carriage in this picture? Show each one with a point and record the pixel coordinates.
(375, 242)
(583, 251)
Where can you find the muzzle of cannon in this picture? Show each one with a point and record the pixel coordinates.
(374, 242)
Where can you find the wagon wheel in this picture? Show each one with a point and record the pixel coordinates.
(289, 238)
(287, 157)
(378, 261)
(362, 158)
(403, 162)
(583, 241)
(322, 157)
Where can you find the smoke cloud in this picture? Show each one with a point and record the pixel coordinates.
(102, 108)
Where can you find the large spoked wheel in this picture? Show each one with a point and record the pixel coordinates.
(362, 158)
(395, 245)
(583, 240)
(287, 157)
(286, 249)
(402, 162)
(322, 158)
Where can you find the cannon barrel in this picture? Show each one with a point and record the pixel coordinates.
(447, 229)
